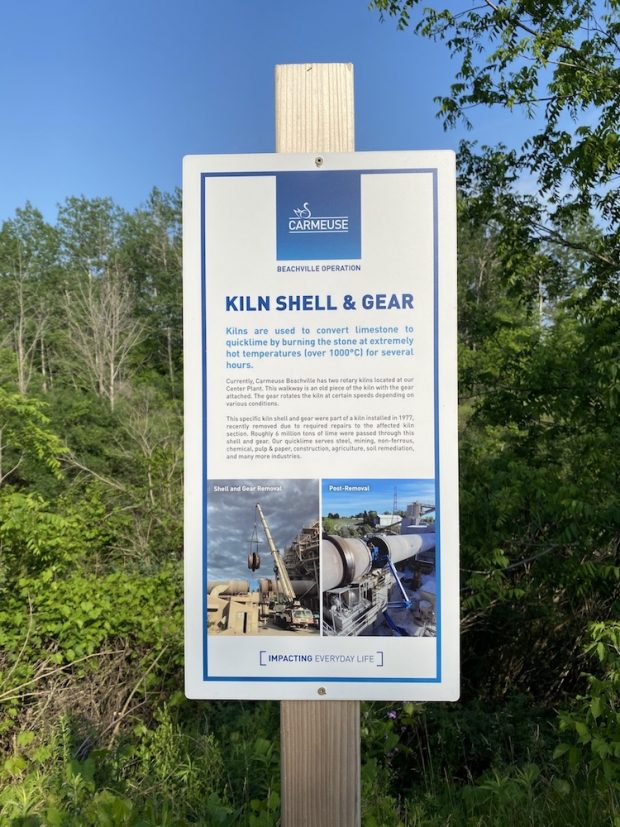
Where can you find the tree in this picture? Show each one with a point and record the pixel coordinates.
(539, 334)
(25, 436)
(562, 55)
(522, 53)
(152, 456)
(29, 270)
(102, 332)
(539, 439)
(150, 251)
(89, 233)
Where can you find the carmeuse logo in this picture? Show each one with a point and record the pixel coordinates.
(303, 212)
(318, 215)
(304, 222)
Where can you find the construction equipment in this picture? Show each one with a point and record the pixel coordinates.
(286, 609)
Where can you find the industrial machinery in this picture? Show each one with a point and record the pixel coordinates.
(301, 559)
(364, 589)
(285, 607)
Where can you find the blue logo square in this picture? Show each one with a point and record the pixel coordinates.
(318, 215)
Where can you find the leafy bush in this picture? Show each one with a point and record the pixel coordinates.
(593, 725)
(53, 630)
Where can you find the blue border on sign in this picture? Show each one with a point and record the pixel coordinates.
(433, 171)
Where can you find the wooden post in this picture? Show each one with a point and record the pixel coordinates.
(314, 107)
(320, 749)
(320, 740)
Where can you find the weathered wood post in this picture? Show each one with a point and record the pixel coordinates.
(320, 740)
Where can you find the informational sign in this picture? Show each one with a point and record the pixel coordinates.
(321, 492)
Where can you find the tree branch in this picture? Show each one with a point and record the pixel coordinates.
(521, 25)
(548, 234)
(73, 462)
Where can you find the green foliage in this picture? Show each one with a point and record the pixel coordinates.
(471, 765)
(561, 55)
(416, 746)
(151, 251)
(524, 796)
(539, 365)
(34, 538)
(89, 234)
(94, 729)
(181, 769)
(68, 628)
(30, 275)
(328, 525)
(594, 723)
(50, 786)
(25, 437)
(177, 769)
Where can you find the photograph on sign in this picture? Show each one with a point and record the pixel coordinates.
(378, 566)
(262, 579)
(321, 538)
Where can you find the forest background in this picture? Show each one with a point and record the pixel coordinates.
(94, 727)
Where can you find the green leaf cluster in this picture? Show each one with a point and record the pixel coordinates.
(593, 725)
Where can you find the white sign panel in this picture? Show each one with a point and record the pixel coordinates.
(321, 441)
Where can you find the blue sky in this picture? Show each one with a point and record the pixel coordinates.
(104, 97)
(380, 497)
